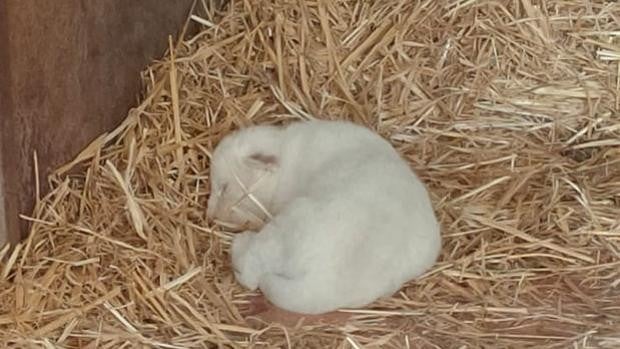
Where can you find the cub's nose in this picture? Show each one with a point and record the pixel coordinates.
(211, 210)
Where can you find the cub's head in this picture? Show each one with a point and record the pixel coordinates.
(244, 174)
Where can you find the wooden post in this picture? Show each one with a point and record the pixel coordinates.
(68, 72)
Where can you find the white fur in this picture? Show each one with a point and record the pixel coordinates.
(350, 220)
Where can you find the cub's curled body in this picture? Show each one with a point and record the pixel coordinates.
(348, 221)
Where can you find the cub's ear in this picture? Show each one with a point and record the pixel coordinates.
(262, 161)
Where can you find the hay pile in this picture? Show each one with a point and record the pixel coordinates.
(507, 109)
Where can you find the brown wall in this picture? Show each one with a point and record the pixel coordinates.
(68, 71)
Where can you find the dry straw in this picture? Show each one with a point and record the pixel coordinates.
(508, 109)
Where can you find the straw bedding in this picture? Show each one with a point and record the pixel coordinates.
(508, 110)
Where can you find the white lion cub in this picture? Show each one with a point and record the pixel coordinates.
(340, 218)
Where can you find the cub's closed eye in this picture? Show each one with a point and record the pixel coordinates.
(223, 188)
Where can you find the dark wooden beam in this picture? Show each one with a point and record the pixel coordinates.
(68, 72)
